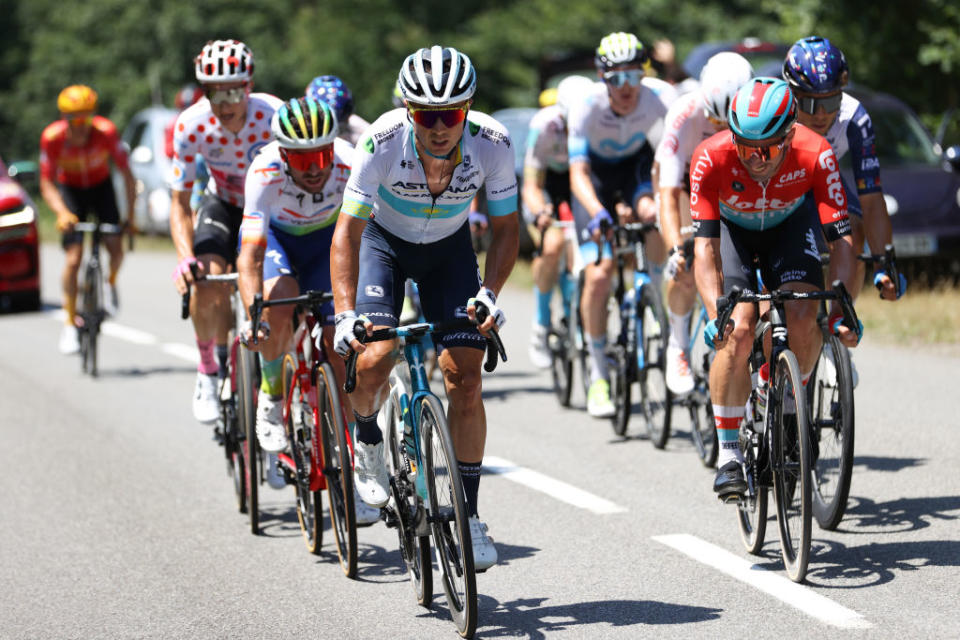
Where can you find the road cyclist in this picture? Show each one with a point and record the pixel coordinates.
(337, 94)
(227, 129)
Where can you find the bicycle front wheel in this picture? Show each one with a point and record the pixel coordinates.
(448, 515)
(338, 469)
(620, 389)
(415, 549)
(830, 393)
(300, 434)
(247, 384)
(702, 428)
(752, 509)
(792, 478)
(655, 399)
(561, 365)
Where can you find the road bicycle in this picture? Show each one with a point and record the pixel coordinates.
(639, 352)
(697, 402)
(776, 440)
(564, 337)
(320, 448)
(427, 499)
(236, 411)
(90, 311)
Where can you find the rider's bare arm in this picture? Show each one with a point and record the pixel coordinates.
(708, 272)
(345, 261)
(181, 223)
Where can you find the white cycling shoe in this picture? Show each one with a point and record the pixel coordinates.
(69, 340)
(365, 514)
(270, 433)
(484, 553)
(370, 473)
(679, 376)
(206, 408)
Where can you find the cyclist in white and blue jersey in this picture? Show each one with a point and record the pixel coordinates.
(817, 71)
(612, 133)
(415, 171)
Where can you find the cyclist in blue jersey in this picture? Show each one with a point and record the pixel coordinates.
(817, 71)
(414, 174)
(613, 130)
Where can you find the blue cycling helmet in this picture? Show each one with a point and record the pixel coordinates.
(814, 65)
(335, 93)
(763, 108)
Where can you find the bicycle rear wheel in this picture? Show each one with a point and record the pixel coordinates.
(655, 399)
(792, 478)
(561, 366)
(830, 393)
(448, 515)
(338, 470)
(89, 308)
(300, 430)
(247, 384)
(620, 388)
(414, 549)
(232, 438)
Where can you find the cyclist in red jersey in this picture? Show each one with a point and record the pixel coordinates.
(747, 188)
(75, 155)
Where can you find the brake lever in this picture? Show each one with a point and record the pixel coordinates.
(255, 310)
(350, 381)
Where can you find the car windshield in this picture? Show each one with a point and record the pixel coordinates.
(901, 139)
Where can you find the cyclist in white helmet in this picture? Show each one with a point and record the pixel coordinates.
(612, 133)
(692, 119)
(414, 174)
(546, 197)
(227, 128)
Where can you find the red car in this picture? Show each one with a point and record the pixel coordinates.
(19, 252)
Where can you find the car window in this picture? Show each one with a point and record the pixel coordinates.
(901, 139)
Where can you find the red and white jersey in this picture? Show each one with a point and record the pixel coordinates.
(720, 187)
(685, 126)
(227, 155)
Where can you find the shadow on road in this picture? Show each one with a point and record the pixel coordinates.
(903, 514)
(878, 463)
(837, 566)
(140, 372)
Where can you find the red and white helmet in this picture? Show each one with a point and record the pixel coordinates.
(224, 61)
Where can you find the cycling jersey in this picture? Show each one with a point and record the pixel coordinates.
(547, 141)
(274, 200)
(388, 183)
(597, 133)
(852, 131)
(685, 127)
(720, 186)
(81, 167)
(199, 133)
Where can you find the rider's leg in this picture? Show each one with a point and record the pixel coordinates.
(210, 312)
(730, 382)
(465, 413)
(593, 307)
(73, 253)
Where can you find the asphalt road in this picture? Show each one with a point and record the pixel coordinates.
(117, 519)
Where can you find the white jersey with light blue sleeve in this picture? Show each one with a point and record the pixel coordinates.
(388, 184)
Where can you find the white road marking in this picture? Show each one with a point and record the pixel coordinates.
(182, 351)
(129, 334)
(795, 595)
(550, 486)
(136, 336)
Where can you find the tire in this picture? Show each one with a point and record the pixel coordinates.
(232, 437)
(300, 432)
(792, 479)
(247, 383)
(338, 469)
(702, 428)
(414, 549)
(561, 366)
(832, 433)
(620, 385)
(448, 511)
(752, 510)
(655, 399)
(89, 309)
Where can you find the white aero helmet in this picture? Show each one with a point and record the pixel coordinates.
(720, 79)
(571, 90)
(437, 76)
(618, 49)
(224, 61)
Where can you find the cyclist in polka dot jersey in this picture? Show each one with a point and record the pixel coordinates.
(227, 129)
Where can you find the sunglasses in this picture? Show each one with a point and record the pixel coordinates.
(828, 103)
(303, 160)
(231, 96)
(82, 121)
(617, 79)
(428, 117)
(765, 152)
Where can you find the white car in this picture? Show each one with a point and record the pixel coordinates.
(146, 139)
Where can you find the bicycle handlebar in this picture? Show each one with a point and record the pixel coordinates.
(310, 298)
(887, 261)
(630, 232)
(197, 277)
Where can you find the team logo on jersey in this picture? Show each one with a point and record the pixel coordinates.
(791, 177)
(737, 186)
(368, 145)
(407, 164)
(373, 290)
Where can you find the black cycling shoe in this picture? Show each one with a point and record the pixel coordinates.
(729, 484)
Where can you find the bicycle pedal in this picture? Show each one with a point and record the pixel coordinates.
(730, 498)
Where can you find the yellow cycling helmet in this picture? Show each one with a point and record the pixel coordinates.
(548, 97)
(77, 97)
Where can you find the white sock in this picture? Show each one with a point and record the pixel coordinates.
(596, 347)
(679, 329)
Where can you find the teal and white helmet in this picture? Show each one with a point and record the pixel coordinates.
(618, 49)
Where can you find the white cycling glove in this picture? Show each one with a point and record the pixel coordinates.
(673, 264)
(488, 299)
(346, 321)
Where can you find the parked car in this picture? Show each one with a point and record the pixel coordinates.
(19, 253)
(766, 57)
(145, 135)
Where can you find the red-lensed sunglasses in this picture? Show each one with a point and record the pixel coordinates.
(302, 160)
(428, 117)
(765, 152)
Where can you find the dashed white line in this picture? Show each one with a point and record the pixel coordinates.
(795, 595)
(551, 486)
(136, 336)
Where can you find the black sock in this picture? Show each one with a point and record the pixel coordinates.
(470, 477)
(368, 431)
(223, 354)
